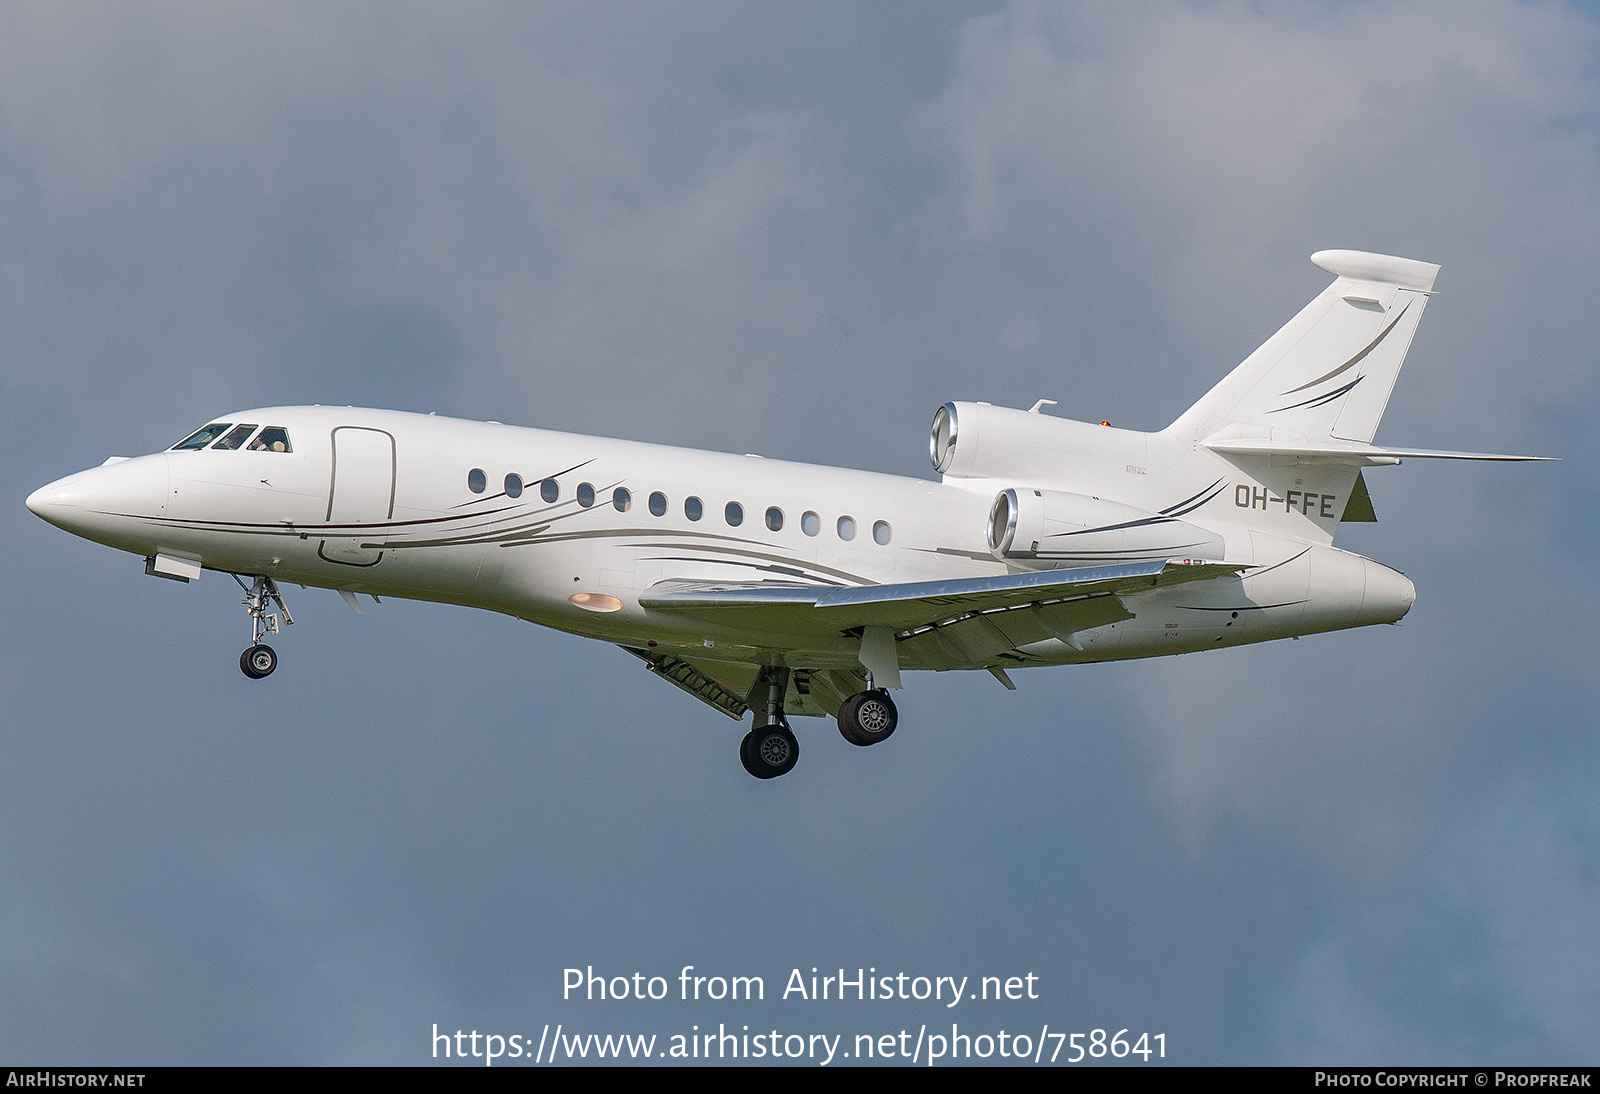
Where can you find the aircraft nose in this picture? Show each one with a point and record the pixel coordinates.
(40, 501)
(54, 502)
(104, 501)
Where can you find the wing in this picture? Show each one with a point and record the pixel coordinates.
(818, 608)
(975, 622)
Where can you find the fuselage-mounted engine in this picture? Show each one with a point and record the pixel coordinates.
(1056, 528)
(1063, 520)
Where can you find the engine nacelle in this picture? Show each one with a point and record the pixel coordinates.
(979, 441)
(1055, 527)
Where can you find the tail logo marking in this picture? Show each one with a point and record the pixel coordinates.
(1356, 360)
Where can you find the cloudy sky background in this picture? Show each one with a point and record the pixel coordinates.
(793, 229)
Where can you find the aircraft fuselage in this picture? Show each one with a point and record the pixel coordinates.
(380, 502)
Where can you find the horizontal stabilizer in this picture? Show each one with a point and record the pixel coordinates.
(1357, 455)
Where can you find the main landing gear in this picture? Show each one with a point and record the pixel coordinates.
(867, 717)
(770, 749)
(260, 659)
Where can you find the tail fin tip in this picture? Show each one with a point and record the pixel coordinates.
(1407, 273)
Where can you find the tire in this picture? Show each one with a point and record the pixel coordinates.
(258, 661)
(868, 717)
(769, 751)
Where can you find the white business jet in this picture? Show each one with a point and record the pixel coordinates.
(791, 589)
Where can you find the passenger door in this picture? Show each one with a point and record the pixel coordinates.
(360, 497)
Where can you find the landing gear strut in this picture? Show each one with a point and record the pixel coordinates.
(770, 749)
(260, 659)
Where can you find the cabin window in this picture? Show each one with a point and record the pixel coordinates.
(847, 528)
(658, 504)
(513, 485)
(274, 438)
(774, 519)
(236, 437)
(585, 495)
(692, 508)
(880, 532)
(810, 523)
(734, 512)
(200, 438)
(549, 490)
(621, 499)
(477, 481)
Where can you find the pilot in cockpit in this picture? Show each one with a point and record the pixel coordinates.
(271, 439)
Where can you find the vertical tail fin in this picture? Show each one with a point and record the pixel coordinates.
(1327, 375)
(1320, 383)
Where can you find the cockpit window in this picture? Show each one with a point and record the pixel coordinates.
(274, 438)
(236, 436)
(201, 438)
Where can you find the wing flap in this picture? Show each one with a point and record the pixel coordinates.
(990, 637)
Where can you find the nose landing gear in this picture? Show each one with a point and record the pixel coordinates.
(260, 659)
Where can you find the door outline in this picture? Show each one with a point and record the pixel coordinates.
(355, 554)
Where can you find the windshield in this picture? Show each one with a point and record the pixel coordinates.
(236, 436)
(274, 438)
(201, 438)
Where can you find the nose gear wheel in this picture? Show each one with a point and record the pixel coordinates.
(258, 661)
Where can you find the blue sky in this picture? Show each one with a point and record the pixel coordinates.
(793, 229)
